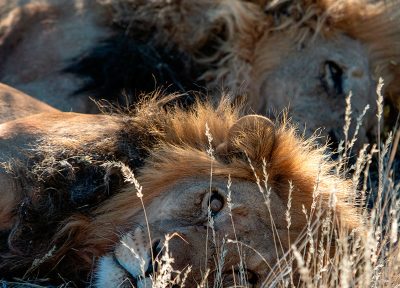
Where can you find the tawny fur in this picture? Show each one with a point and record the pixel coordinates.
(274, 53)
(171, 144)
(236, 42)
(238, 26)
(14, 104)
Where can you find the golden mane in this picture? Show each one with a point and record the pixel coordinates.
(181, 152)
(162, 145)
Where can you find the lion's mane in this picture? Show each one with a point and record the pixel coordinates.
(236, 40)
(160, 146)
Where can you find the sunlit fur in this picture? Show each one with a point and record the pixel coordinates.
(177, 150)
(180, 152)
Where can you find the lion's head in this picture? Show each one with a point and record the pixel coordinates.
(308, 55)
(78, 202)
(242, 184)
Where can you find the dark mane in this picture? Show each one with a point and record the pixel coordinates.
(123, 67)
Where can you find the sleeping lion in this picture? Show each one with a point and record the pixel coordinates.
(91, 199)
(307, 55)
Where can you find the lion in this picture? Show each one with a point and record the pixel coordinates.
(308, 55)
(73, 188)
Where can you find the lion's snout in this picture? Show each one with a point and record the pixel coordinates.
(133, 261)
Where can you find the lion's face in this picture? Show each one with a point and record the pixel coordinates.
(204, 213)
(183, 210)
(181, 198)
(315, 80)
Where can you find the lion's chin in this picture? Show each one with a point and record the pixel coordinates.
(110, 273)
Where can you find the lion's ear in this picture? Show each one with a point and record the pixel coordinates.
(253, 135)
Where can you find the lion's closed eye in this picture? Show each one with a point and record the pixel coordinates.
(332, 78)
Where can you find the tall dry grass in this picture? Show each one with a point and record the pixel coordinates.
(365, 257)
(369, 257)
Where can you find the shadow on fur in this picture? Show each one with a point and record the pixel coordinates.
(123, 65)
